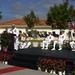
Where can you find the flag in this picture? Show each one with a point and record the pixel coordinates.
(71, 23)
(74, 26)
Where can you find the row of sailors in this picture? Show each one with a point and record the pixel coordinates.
(62, 37)
(46, 42)
(49, 39)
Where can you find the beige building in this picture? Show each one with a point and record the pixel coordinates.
(21, 25)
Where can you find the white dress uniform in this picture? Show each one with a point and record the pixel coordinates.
(22, 45)
(28, 44)
(47, 41)
(25, 44)
(60, 41)
(72, 43)
(16, 37)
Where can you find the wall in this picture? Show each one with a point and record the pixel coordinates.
(38, 28)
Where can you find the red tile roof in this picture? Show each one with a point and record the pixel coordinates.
(20, 22)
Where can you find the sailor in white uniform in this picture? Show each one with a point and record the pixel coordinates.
(47, 41)
(26, 44)
(15, 31)
(60, 40)
(72, 43)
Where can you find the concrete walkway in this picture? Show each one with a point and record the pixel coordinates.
(22, 72)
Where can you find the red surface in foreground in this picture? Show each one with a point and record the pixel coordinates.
(11, 69)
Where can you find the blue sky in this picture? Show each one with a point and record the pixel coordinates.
(18, 8)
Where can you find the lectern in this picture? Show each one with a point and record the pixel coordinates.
(7, 40)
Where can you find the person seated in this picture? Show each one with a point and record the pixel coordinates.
(47, 41)
(72, 43)
(22, 45)
(26, 44)
(54, 34)
(60, 40)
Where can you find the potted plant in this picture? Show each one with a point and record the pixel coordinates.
(73, 71)
(47, 65)
(53, 63)
(4, 41)
(6, 57)
(42, 64)
(61, 65)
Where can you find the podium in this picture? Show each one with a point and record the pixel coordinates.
(7, 40)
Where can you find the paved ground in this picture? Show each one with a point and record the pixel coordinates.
(22, 72)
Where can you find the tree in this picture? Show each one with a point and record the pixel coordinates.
(31, 19)
(58, 16)
(0, 15)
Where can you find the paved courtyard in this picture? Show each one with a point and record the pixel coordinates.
(21, 72)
